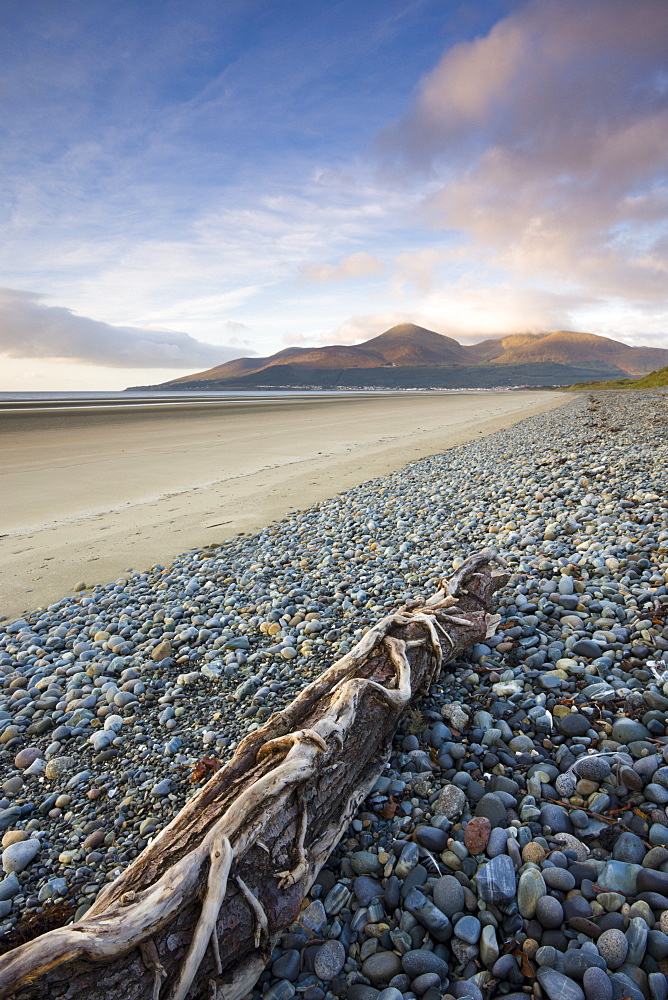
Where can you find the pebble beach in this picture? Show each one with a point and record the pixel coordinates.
(517, 842)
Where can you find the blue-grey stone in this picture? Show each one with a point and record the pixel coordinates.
(649, 880)
(613, 947)
(657, 945)
(587, 648)
(656, 793)
(468, 929)
(577, 961)
(557, 986)
(360, 991)
(392, 894)
(314, 916)
(623, 986)
(466, 988)
(287, 966)
(428, 915)
(558, 878)
(497, 842)
(18, 856)
(530, 888)
(427, 981)
(9, 816)
(628, 730)
(282, 990)
(573, 724)
(489, 946)
(597, 985)
(548, 955)
(365, 889)
(629, 848)
(620, 876)
(556, 818)
(594, 768)
(496, 880)
(365, 863)
(417, 962)
(636, 935)
(658, 986)
(658, 835)
(432, 838)
(448, 895)
(549, 912)
(381, 967)
(162, 788)
(9, 887)
(504, 967)
(408, 859)
(329, 960)
(493, 808)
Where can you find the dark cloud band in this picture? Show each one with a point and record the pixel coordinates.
(31, 329)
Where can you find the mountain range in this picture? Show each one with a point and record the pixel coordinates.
(409, 356)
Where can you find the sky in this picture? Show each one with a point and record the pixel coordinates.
(186, 183)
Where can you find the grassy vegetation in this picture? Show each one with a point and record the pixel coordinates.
(450, 376)
(651, 381)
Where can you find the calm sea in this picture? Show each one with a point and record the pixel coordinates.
(24, 400)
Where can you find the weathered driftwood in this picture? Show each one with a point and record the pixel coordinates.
(199, 911)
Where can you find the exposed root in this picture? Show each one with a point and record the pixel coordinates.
(250, 804)
(221, 860)
(456, 583)
(288, 741)
(151, 960)
(216, 950)
(260, 922)
(293, 876)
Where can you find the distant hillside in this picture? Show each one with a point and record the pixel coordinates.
(569, 347)
(497, 347)
(409, 356)
(652, 381)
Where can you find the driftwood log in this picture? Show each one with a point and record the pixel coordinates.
(199, 911)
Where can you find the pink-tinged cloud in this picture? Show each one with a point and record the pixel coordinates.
(357, 265)
(550, 140)
(30, 329)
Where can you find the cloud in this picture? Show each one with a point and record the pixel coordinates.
(30, 329)
(544, 144)
(417, 268)
(357, 265)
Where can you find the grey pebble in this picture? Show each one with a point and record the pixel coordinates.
(448, 895)
(597, 985)
(18, 856)
(613, 947)
(557, 986)
(329, 960)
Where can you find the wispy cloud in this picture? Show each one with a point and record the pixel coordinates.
(31, 329)
(356, 265)
(549, 136)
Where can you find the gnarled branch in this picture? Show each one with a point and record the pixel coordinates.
(233, 867)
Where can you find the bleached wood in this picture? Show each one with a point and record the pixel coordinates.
(233, 867)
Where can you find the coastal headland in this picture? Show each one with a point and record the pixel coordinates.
(90, 491)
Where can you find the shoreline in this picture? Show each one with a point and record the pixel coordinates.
(94, 493)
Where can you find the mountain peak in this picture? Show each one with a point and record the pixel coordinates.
(408, 345)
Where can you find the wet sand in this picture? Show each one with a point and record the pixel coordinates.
(90, 492)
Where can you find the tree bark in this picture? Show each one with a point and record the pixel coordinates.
(199, 911)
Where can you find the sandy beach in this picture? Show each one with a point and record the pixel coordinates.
(90, 492)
